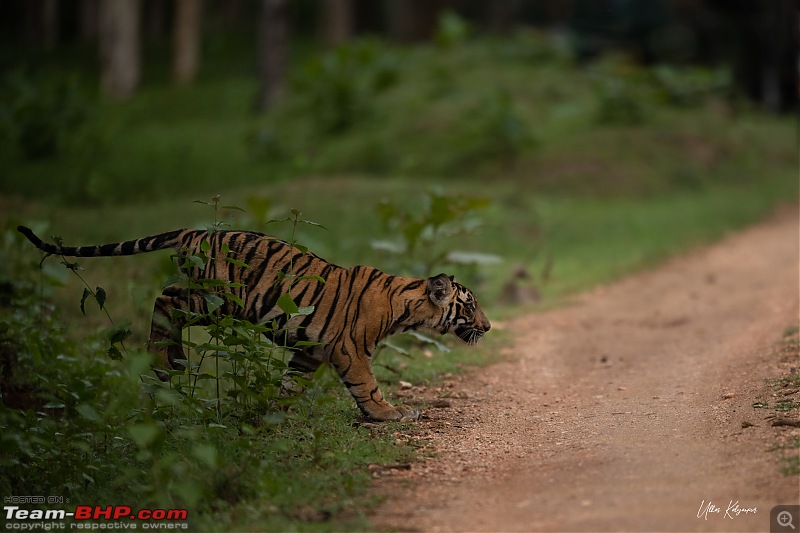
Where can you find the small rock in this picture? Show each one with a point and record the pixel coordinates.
(747, 424)
(621, 388)
(404, 384)
(728, 395)
(440, 404)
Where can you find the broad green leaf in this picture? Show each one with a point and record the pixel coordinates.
(304, 311)
(114, 353)
(236, 262)
(235, 299)
(429, 340)
(392, 346)
(88, 412)
(301, 344)
(287, 305)
(213, 302)
(173, 279)
(315, 224)
(315, 278)
(144, 434)
(196, 261)
(119, 332)
(205, 453)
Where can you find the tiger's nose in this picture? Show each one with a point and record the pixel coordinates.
(487, 326)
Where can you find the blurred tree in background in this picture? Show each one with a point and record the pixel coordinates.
(758, 39)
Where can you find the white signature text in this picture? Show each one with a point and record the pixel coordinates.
(732, 511)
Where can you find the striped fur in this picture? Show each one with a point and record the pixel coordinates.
(355, 308)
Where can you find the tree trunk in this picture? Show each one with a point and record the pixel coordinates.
(186, 44)
(154, 19)
(273, 51)
(120, 55)
(414, 20)
(50, 24)
(89, 19)
(336, 24)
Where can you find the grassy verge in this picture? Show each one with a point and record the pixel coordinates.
(780, 399)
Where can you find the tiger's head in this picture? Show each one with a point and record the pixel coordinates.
(459, 311)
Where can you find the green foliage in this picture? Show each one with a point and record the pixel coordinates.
(60, 403)
(493, 130)
(618, 102)
(452, 31)
(689, 87)
(222, 434)
(339, 87)
(40, 116)
(515, 109)
(421, 245)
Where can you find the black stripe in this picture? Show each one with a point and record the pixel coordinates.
(127, 247)
(413, 285)
(107, 249)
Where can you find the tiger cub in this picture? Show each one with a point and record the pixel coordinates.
(354, 309)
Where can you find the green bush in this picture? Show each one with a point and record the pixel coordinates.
(42, 116)
(338, 88)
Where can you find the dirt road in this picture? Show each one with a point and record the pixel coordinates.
(630, 410)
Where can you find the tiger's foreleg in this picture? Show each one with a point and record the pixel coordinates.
(355, 370)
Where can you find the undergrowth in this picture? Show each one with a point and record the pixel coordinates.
(91, 423)
(228, 437)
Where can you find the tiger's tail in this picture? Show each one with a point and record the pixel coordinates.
(161, 241)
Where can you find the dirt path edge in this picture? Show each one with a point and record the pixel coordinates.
(631, 410)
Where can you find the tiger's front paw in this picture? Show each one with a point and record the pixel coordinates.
(393, 412)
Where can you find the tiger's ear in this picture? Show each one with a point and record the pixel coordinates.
(440, 289)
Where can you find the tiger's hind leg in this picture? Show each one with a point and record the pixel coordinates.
(303, 363)
(165, 330)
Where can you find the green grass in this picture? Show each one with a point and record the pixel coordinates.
(583, 188)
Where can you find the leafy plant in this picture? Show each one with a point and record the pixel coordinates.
(419, 248)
